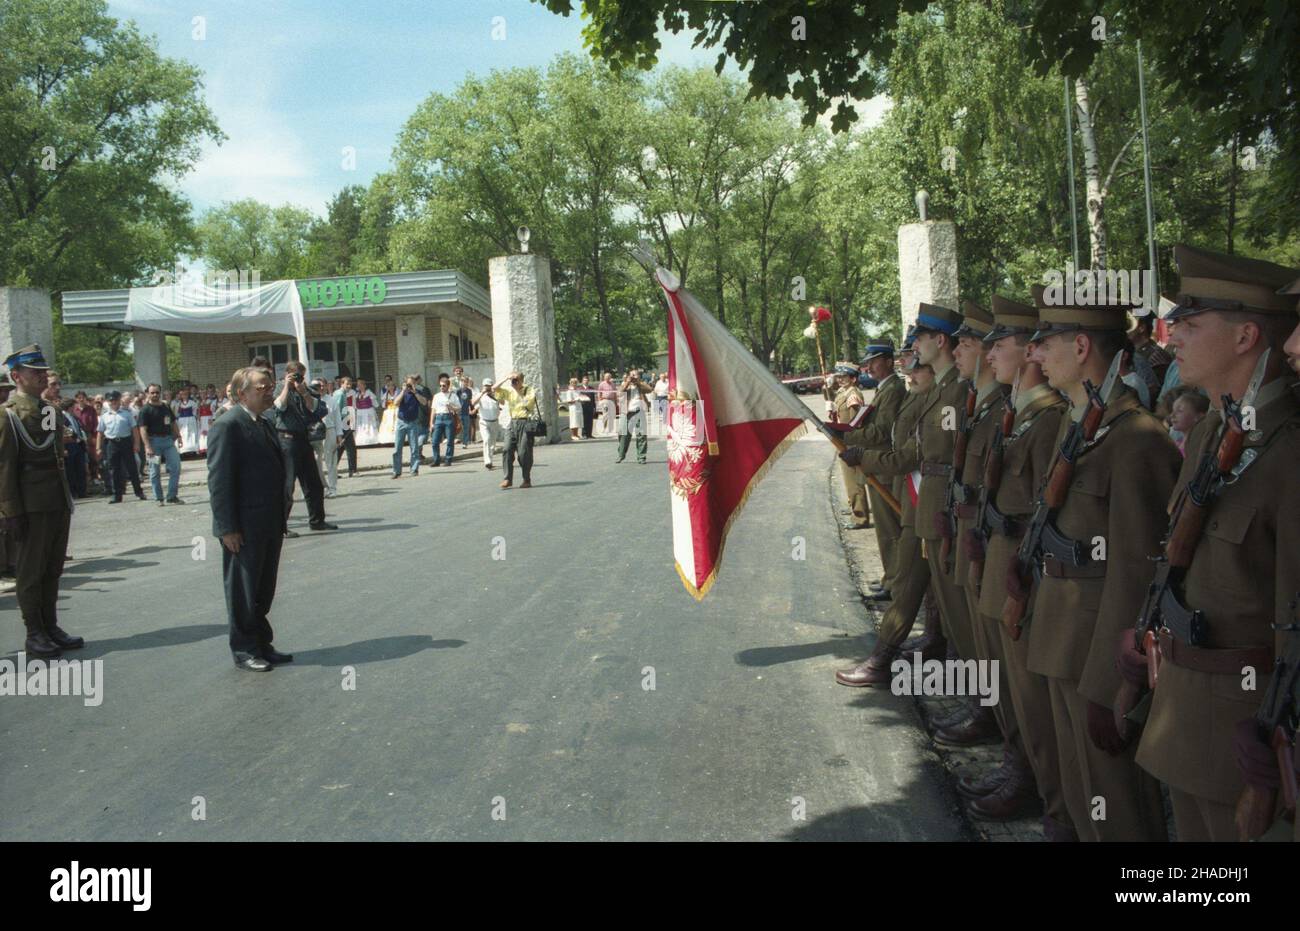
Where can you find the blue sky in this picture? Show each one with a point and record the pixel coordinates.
(292, 82)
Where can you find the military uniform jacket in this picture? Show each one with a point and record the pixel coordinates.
(876, 431)
(1118, 493)
(1026, 456)
(904, 427)
(932, 441)
(1244, 573)
(31, 480)
(988, 414)
(846, 399)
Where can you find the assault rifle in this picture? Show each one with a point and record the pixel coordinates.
(1042, 538)
(1277, 720)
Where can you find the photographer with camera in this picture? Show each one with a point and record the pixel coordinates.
(295, 410)
(634, 401)
(411, 416)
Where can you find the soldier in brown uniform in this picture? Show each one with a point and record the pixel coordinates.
(848, 402)
(985, 398)
(930, 452)
(35, 501)
(912, 580)
(1094, 576)
(1021, 457)
(1244, 570)
(875, 433)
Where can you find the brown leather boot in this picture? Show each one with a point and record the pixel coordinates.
(982, 728)
(931, 644)
(873, 672)
(1015, 798)
(975, 785)
(1058, 831)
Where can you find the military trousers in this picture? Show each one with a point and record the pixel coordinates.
(1110, 798)
(41, 554)
(888, 529)
(951, 599)
(855, 491)
(908, 590)
(1035, 727)
(1202, 819)
(988, 649)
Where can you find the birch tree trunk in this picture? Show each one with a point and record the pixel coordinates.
(1092, 178)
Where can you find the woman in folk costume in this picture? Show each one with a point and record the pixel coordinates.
(388, 417)
(367, 406)
(573, 398)
(186, 410)
(207, 407)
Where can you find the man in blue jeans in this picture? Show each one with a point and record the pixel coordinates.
(410, 419)
(158, 435)
(443, 410)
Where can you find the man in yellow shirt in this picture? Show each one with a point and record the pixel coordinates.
(521, 401)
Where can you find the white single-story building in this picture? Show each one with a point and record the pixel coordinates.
(366, 326)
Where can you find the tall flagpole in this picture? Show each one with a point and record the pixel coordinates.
(1153, 298)
(1069, 160)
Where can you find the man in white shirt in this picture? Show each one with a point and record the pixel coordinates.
(345, 399)
(488, 410)
(661, 402)
(443, 410)
(117, 433)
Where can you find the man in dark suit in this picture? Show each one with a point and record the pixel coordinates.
(246, 485)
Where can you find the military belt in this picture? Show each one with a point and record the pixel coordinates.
(35, 466)
(1216, 662)
(936, 468)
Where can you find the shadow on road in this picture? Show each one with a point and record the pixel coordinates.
(372, 651)
(847, 647)
(106, 564)
(149, 640)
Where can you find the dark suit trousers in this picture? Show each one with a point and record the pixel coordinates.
(249, 580)
(121, 465)
(300, 463)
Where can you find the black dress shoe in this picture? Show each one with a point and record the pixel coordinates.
(291, 534)
(65, 640)
(277, 659)
(39, 644)
(881, 595)
(252, 663)
(326, 526)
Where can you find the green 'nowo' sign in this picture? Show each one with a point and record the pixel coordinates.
(346, 292)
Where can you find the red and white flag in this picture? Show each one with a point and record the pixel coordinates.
(729, 420)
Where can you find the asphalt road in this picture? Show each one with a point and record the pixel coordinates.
(494, 698)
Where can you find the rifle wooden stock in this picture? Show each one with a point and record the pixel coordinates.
(1185, 533)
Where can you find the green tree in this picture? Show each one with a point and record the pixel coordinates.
(95, 127)
(247, 236)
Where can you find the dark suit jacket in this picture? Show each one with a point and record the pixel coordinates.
(245, 477)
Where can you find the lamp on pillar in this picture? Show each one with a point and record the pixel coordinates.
(524, 236)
